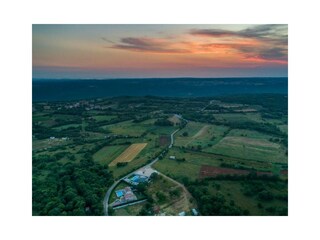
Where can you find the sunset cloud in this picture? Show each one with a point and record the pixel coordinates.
(149, 45)
(272, 41)
(178, 50)
(263, 43)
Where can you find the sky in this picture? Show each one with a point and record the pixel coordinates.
(159, 51)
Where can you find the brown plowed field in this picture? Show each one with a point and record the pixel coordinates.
(209, 171)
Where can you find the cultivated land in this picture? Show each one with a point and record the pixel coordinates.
(229, 154)
(108, 153)
(129, 154)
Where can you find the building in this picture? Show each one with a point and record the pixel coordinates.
(136, 179)
(172, 157)
(124, 196)
(195, 212)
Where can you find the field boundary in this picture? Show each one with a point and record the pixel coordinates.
(129, 154)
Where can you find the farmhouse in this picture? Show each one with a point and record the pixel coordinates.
(124, 196)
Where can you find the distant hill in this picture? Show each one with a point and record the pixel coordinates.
(73, 89)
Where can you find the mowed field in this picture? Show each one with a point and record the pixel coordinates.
(251, 145)
(194, 161)
(129, 154)
(108, 153)
(238, 117)
(201, 134)
(137, 129)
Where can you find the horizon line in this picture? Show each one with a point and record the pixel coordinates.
(140, 78)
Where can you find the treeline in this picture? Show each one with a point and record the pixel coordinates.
(138, 119)
(250, 125)
(163, 122)
(72, 189)
(42, 132)
(275, 105)
(78, 111)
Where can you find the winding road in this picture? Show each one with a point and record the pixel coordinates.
(107, 196)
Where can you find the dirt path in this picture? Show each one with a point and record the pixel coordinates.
(188, 194)
(201, 131)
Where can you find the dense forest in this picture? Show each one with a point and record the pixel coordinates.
(74, 189)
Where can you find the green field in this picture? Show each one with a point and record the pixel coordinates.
(239, 117)
(107, 154)
(249, 145)
(148, 153)
(127, 128)
(100, 118)
(189, 168)
(204, 135)
(62, 127)
(194, 160)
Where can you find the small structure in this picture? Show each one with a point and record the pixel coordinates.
(182, 213)
(172, 157)
(195, 212)
(136, 179)
(140, 176)
(124, 196)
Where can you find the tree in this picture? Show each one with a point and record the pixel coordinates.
(175, 193)
(265, 195)
(161, 196)
(154, 176)
(141, 187)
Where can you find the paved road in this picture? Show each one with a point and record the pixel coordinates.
(107, 196)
